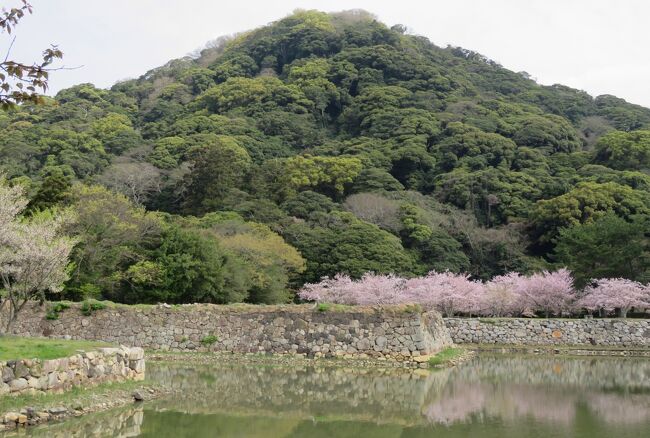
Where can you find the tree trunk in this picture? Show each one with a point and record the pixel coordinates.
(11, 318)
(623, 312)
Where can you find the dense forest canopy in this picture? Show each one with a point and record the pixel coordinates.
(331, 143)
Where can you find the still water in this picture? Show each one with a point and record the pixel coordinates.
(490, 396)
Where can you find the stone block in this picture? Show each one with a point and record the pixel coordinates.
(11, 417)
(52, 380)
(137, 365)
(50, 365)
(7, 374)
(21, 370)
(136, 353)
(33, 382)
(18, 385)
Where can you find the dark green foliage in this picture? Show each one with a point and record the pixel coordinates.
(216, 168)
(473, 149)
(585, 203)
(624, 116)
(52, 191)
(373, 179)
(625, 150)
(88, 307)
(346, 244)
(551, 133)
(307, 204)
(54, 311)
(606, 247)
(209, 340)
(435, 247)
(193, 267)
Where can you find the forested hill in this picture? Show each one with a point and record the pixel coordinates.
(326, 143)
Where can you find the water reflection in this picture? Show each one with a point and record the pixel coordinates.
(120, 423)
(489, 396)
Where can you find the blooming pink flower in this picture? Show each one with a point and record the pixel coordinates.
(549, 292)
(503, 295)
(509, 294)
(616, 293)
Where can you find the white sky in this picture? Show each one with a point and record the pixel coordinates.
(600, 46)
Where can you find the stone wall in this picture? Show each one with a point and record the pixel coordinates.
(397, 332)
(522, 331)
(85, 368)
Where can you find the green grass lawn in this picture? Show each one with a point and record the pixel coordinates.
(12, 347)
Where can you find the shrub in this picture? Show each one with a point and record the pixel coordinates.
(209, 340)
(55, 310)
(329, 307)
(90, 306)
(323, 307)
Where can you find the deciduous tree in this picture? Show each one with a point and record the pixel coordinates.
(610, 294)
(33, 253)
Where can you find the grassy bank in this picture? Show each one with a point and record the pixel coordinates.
(75, 398)
(12, 347)
(446, 357)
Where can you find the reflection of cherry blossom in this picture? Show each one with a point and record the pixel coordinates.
(615, 408)
(457, 404)
(464, 402)
(510, 402)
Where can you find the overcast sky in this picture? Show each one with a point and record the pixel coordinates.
(600, 46)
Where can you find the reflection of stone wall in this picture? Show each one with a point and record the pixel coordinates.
(551, 390)
(88, 368)
(118, 423)
(369, 394)
(392, 331)
(571, 373)
(514, 331)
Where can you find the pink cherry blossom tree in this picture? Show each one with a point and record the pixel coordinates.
(33, 254)
(370, 289)
(616, 293)
(447, 292)
(549, 292)
(503, 295)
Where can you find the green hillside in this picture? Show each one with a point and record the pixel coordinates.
(326, 143)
